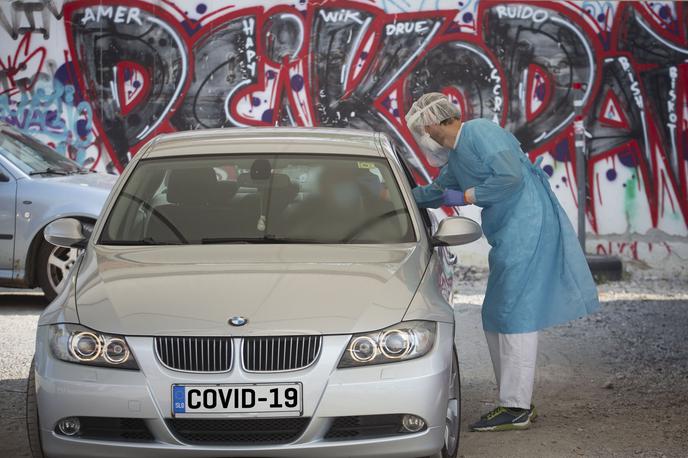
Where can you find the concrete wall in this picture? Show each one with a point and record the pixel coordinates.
(98, 79)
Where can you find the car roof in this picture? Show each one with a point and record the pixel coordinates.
(278, 140)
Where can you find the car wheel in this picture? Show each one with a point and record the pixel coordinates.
(453, 418)
(32, 425)
(54, 264)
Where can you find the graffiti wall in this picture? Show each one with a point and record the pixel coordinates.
(97, 79)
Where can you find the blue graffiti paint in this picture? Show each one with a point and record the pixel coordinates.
(267, 115)
(628, 159)
(297, 82)
(561, 151)
(55, 114)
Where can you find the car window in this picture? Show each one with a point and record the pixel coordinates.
(29, 155)
(424, 213)
(260, 199)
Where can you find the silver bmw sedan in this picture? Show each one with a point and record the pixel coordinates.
(254, 293)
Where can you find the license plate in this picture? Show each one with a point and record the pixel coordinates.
(227, 400)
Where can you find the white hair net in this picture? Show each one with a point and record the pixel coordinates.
(431, 108)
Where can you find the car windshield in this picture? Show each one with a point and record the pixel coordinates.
(259, 199)
(32, 157)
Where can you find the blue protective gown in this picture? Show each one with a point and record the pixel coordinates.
(538, 273)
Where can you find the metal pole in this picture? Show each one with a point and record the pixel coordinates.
(602, 267)
(581, 165)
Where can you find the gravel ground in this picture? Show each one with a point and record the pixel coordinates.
(18, 318)
(612, 384)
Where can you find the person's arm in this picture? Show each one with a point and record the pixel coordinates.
(494, 146)
(432, 195)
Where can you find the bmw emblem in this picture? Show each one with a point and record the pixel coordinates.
(238, 321)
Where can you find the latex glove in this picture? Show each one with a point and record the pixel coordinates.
(453, 198)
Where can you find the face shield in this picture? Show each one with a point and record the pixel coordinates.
(436, 154)
(431, 109)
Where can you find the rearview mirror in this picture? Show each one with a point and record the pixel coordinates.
(68, 233)
(456, 230)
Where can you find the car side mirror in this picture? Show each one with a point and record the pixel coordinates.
(456, 230)
(4, 178)
(68, 233)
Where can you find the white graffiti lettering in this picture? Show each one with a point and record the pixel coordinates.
(341, 16)
(403, 28)
(249, 29)
(635, 88)
(497, 92)
(522, 12)
(121, 15)
(671, 103)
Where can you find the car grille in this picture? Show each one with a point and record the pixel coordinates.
(195, 354)
(259, 354)
(364, 427)
(281, 353)
(238, 432)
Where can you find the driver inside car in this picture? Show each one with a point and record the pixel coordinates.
(348, 203)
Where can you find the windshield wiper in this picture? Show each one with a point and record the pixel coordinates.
(228, 240)
(268, 239)
(145, 241)
(49, 171)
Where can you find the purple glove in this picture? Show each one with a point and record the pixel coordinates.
(453, 198)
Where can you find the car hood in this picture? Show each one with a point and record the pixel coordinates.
(280, 289)
(92, 180)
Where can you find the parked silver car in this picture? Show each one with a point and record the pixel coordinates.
(37, 186)
(253, 292)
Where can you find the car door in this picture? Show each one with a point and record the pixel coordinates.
(8, 210)
(431, 219)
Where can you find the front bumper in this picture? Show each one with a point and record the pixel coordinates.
(416, 387)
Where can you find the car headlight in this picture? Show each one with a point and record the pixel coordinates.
(401, 342)
(78, 344)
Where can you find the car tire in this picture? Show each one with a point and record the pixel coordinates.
(455, 388)
(33, 430)
(48, 274)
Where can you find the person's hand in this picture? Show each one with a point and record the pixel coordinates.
(453, 198)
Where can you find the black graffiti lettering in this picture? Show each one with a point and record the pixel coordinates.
(145, 46)
(660, 82)
(30, 17)
(335, 64)
(520, 36)
(466, 68)
(224, 62)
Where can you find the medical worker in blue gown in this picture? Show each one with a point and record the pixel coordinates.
(538, 273)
